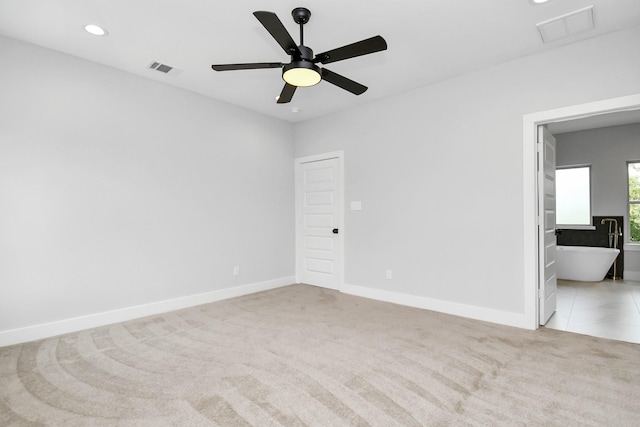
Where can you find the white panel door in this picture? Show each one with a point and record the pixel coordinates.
(318, 217)
(547, 229)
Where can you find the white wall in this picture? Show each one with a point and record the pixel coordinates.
(118, 191)
(439, 174)
(607, 150)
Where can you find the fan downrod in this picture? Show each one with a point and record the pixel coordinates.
(301, 15)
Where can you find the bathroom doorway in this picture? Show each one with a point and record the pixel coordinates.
(597, 114)
(610, 308)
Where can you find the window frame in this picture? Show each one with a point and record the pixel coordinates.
(630, 202)
(589, 225)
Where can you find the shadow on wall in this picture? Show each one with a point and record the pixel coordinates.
(596, 238)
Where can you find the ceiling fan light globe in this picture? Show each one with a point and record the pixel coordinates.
(301, 74)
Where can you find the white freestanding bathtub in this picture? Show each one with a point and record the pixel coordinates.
(583, 263)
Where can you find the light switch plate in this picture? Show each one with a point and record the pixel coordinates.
(356, 206)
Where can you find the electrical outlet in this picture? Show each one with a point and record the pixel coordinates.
(236, 270)
(389, 274)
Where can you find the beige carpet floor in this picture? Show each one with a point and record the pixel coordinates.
(302, 355)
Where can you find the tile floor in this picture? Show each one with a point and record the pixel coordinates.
(608, 309)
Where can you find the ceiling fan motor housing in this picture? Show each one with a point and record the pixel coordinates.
(302, 71)
(306, 54)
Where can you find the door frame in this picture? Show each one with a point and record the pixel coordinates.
(298, 215)
(530, 180)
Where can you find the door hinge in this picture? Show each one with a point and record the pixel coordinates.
(540, 293)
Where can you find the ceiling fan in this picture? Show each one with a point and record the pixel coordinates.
(302, 70)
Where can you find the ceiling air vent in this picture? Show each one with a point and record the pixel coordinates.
(566, 25)
(164, 68)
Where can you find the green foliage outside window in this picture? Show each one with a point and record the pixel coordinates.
(634, 202)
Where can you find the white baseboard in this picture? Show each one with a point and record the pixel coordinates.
(45, 330)
(633, 276)
(469, 311)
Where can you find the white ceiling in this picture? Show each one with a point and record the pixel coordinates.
(429, 40)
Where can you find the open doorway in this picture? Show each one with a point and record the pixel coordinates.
(533, 210)
(594, 155)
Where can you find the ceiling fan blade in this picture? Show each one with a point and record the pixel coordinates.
(287, 93)
(251, 66)
(343, 82)
(363, 47)
(273, 25)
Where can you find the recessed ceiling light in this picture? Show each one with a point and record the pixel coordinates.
(538, 1)
(96, 30)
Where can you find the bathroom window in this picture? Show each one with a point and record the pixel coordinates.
(634, 201)
(573, 196)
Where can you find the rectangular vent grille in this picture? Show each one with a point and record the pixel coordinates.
(164, 68)
(566, 25)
